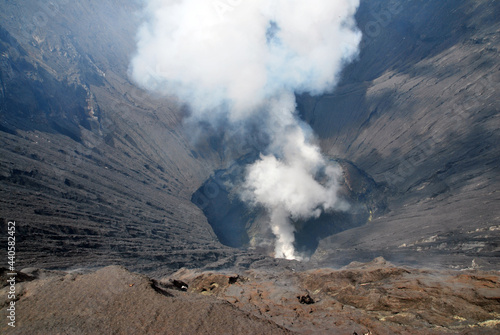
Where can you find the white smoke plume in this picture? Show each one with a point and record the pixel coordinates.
(235, 59)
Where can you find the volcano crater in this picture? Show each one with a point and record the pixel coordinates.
(240, 225)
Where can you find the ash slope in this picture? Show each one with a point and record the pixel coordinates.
(97, 172)
(94, 170)
(419, 112)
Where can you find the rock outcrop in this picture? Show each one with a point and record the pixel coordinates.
(364, 298)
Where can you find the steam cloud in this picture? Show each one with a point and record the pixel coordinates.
(238, 59)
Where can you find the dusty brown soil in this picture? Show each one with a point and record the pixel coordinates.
(113, 300)
(362, 298)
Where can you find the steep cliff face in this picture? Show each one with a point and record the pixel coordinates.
(419, 112)
(96, 171)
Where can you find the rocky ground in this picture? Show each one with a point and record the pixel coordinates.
(363, 298)
(98, 172)
(369, 298)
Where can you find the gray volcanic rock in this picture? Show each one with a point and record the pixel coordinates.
(419, 112)
(93, 170)
(97, 172)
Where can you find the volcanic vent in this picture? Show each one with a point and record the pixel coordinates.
(239, 225)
